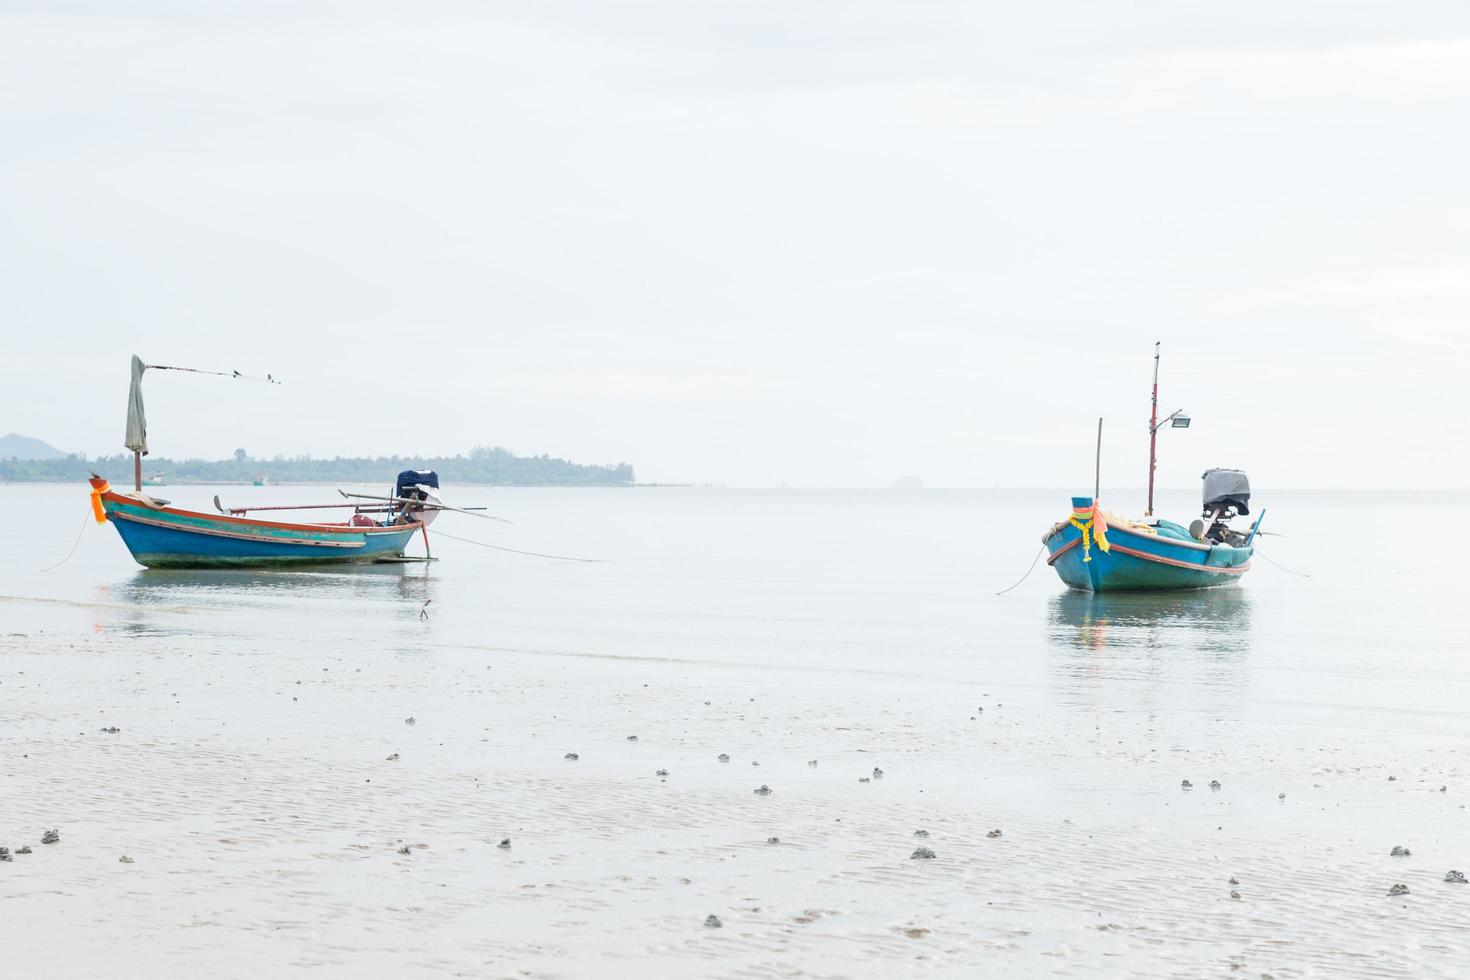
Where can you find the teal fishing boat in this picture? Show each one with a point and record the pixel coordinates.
(160, 535)
(1095, 551)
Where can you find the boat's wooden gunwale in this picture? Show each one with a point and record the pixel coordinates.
(252, 522)
(238, 535)
(1178, 543)
(1120, 529)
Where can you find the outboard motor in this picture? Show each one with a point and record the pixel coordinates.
(419, 485)
(1226, 494)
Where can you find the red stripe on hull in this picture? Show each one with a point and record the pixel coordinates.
(1063, 550)
(1218, 569)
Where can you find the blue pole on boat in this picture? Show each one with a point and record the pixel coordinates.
(1255, 527)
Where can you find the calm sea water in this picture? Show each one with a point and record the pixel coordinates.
(859, 626)
(859, 580)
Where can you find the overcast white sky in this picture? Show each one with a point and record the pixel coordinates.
(827, 243)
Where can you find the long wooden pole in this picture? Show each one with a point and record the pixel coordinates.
(1097, 467)
(137, 471)
(422, 505)
(363, 509)
(1153, 435)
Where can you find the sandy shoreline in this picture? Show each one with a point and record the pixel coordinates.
(264, 821)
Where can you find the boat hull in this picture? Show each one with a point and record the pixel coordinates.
(167, 537)
(1141, 562)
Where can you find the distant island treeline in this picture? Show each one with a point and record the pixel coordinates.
(495, 466)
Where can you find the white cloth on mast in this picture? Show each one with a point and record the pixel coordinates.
(137, 437)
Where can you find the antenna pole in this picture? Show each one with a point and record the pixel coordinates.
(1097, 467)
(1153, 435)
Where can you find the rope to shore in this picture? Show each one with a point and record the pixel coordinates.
(73, 544)
(1028, 572)
(1260, 554)
(532, 554)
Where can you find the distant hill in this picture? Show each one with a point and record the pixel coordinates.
(494, 466)
(15, 446)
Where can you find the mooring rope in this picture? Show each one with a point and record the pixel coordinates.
(1260, 554)
(533, 554)
(73, 544)
(1028, 572)
(268, 379)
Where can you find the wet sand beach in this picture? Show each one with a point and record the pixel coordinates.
(844, 650)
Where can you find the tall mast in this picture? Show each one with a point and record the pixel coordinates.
(1097, 467)
(1153, 435)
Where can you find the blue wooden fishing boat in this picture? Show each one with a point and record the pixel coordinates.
(162, 536)
(1094, 551)
(1137, 556)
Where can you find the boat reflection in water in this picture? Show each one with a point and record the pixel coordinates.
(1206, 620)
(246, 602)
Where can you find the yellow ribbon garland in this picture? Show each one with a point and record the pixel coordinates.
(1086, 527)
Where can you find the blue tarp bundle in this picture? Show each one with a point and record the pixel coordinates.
(408, 479)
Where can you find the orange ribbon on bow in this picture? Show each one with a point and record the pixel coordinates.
(97, 491)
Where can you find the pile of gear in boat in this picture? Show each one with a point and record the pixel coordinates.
(1227, 494)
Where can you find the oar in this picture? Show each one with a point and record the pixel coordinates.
(425, 506)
